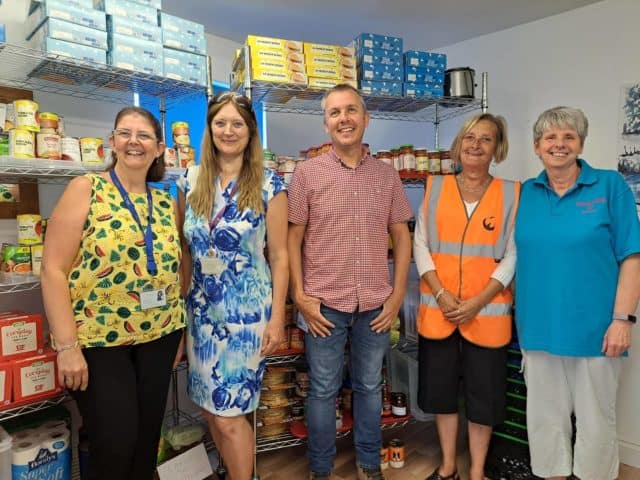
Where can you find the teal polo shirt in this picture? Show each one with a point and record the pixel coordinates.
(569, 252)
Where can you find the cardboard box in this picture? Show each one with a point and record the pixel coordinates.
(276, 54)
(5, 383)
(135, 54)
(332, 72)
(417, 58)
(279, 77)
(424, 75)
(278, 65)
(184, 41)
(20, 336)
(35, 377)
(316, 60)
(381, 88)
(326, 83)
(70, 32)
(171, 23)
(125, 8)
(381, 73)
(185, 66)
(255, 41)
(87, 17)
(70, 49)
(127, 26)
(422, 90)
(311, 49)
(373, 56)
(385, 42)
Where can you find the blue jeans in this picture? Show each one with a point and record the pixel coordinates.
(325, 357)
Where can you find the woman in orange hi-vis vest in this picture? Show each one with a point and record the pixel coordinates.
(464, 252)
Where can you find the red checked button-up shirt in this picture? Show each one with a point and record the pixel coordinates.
(347, 213)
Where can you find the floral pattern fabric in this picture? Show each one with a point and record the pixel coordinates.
(110, 270)
(227, 312)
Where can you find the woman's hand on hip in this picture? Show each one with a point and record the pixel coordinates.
(272, 337)
(617, 338)
(465, 311)
(73, 371)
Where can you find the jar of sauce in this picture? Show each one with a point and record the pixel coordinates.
(434, 162)
(422, 159)
(385, 156)
(446, 164)
(398, 404)
(397, 159)
(396, 453)
(408, 158)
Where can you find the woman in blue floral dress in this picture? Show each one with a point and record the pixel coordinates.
(232, 208)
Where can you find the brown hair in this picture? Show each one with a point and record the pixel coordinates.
(250, 178)
(342, 87)
(157, 168)
(502, 143)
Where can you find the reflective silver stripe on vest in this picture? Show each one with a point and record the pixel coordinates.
(454, 248)
(489, 310)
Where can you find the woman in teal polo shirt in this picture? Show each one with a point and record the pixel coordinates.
(577, 286)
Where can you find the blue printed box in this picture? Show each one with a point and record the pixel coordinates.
(61, 30)
(126, 26)
(85, 4)
(70, 49)
(372, 40)
(417, 58)
(185, 66)
(157, 4)
(184, 41)
(132, 10)
(135, 54)
(381, 73)
(87, 17)
(3, 33)
(177, 25)
(423, 75)
(422, 90)
(381, 88)
(372, 56)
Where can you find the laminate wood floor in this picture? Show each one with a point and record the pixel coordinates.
(422, 455)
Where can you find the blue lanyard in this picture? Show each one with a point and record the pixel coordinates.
(152, 268)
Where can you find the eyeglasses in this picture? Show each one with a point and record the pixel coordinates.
(241, 100)
(485, 139)
(125, 135)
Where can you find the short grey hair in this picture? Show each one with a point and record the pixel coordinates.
(342, 87)
(561, 117)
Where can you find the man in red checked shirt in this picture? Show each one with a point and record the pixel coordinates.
(343, 205)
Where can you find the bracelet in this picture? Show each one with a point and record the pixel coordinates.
(439, 294)
(69, 346)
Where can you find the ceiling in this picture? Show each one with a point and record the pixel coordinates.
(423, 24)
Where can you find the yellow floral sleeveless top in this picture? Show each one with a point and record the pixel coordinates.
(109, 272)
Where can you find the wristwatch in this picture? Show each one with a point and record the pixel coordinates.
(624, 316)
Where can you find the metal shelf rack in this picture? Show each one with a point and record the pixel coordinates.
(55, 171)
(13, 283)
(290, 98)
(23, 409)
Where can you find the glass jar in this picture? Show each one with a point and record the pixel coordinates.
(422, 159)
(434, 162)
(446, 164)
(397, 159)
(398, 404)
(385, 156)
(408, 157)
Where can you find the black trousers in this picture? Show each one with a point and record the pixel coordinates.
(123, 406)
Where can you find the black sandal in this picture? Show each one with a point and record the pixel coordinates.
(436, 476)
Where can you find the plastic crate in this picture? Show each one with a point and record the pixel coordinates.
(404, 378)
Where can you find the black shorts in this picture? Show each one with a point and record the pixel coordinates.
(441, 365)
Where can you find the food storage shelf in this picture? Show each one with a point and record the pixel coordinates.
(14, 283)
(31, 69)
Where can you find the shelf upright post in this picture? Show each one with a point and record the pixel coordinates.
(436, 127)
(485, 88)
(246, 81)
(209, 80)
(163, 117)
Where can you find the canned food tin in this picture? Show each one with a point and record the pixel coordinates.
(48, 120)
(29, 229)
(36, 258)
(21, 144)
(91, 150)
(48, 146)
(16, 259)
(180, 132)
(396, 453)
(70, 148)
(186, 156)
(26, 114)
(170, 157)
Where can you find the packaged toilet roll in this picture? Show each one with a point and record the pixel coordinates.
(52, 425)
(48, 458)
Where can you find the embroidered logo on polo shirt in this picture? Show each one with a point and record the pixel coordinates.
(590, 207)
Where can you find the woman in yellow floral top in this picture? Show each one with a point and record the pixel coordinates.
(111, 290)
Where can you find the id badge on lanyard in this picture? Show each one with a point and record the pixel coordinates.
(211, 264)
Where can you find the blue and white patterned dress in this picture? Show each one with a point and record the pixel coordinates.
(227, 313)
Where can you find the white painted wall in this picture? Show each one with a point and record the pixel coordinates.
(580, 58)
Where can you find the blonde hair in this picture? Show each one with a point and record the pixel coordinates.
(502, 143)
(252, 173)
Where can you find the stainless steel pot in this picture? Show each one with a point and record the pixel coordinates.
(459, 82)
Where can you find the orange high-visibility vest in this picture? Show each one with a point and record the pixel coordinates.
(465, 251)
